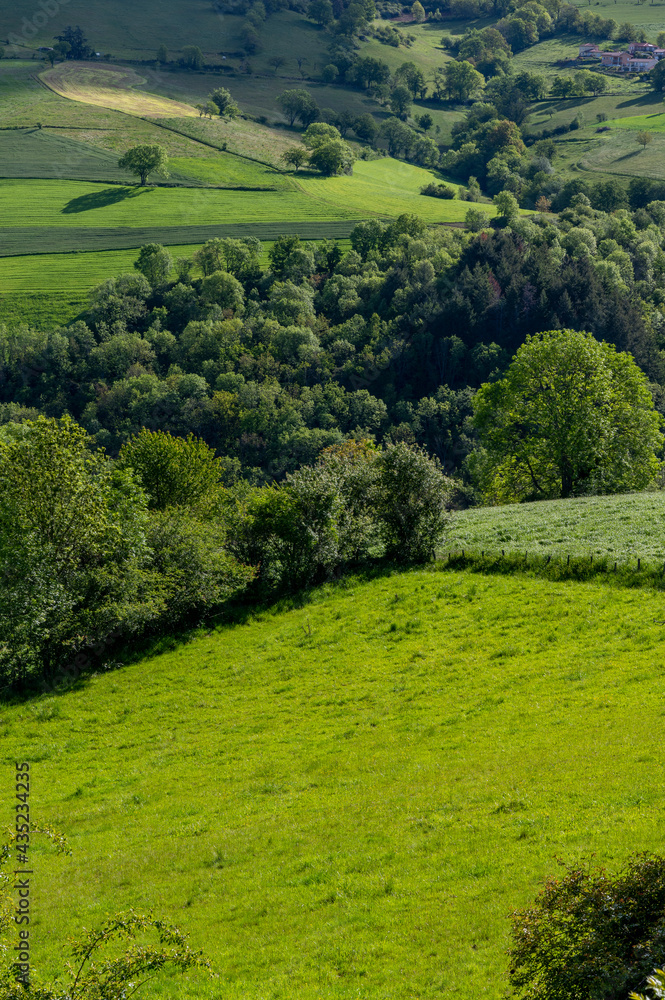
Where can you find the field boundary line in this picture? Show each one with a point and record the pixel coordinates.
(635, 572)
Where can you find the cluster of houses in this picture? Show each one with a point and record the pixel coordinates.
(639, 57)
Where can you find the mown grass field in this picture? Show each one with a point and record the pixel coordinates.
(387, 187)
(620, 527)
(654, 122)
(73, 203)
(111, 87)
(348, 798)
(226, 170)
(619, 153)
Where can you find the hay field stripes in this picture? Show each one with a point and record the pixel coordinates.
(111, 87)
(34, 240)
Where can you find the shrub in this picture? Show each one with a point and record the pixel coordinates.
(434, 190)
(411, 504)
(591, 934)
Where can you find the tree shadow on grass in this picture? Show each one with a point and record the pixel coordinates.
(629, 156)
(102, 199)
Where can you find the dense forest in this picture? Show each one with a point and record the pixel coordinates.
(270, 365)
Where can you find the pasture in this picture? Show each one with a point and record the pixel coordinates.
(122, 28)
(619, 527)
(111, 87)
(619, 153)
(346, 797)
(74, 203)
(387, 187)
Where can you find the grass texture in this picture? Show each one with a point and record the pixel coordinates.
(347, 798)
(111, 87)
(72, 203)
(622, 527)
(387, 187)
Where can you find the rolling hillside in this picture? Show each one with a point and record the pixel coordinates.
(346, 797)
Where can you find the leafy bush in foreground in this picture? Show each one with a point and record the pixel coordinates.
(591, 935)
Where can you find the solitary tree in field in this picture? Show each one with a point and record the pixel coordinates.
(643, 139)
(294, 157)
(572, 416)
(224, 103)
(192, 57)
(145, 160)
(162, 54)
(298, 104)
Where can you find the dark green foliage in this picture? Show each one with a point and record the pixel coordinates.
(75, 44)
(438, 190)
(145, 160)
(591, 934)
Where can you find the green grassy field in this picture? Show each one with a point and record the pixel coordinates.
(72, 203)
(388, 187)
(621, 527)
(654, 122)
(619, 153)
(123, 29)
(347, 799)
(226, 170)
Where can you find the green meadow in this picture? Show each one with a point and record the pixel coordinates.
(346, 796)
(72, 203)
(618, 152)
(622, 527)
(654, 122)
(387, 187)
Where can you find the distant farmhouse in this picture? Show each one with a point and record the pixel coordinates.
(639, 57)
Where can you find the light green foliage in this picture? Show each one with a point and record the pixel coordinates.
(174, 471)
(318, 133)
(73, 553)
(226, 106)
(418, 11)
(412, 493)
(506, 205)
(413, 785)
(332, 157)
(155, 263)
(224, 290)
(655, 983)
(462, 81)
(145, 160)
(294, 157)
(571, 416)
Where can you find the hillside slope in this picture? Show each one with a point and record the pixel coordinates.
(347, 798)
